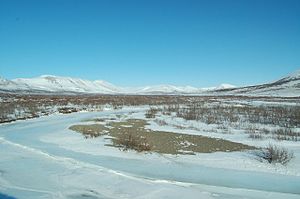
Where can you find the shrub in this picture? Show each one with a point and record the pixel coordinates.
(213, 113)
(275, 154)
(151, 112)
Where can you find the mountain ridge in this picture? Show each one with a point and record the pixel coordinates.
(53, 83)
(286, 86)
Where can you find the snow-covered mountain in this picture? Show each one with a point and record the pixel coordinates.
(9, 85)
(49, 84)
(65, 84)
(57, 84)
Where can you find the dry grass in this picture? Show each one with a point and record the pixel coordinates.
(90, 131)
(132, 141)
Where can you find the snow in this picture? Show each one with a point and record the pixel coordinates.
(41, 158)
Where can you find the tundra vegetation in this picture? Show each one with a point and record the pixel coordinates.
(260, 118)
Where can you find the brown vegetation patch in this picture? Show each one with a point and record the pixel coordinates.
(132, 134)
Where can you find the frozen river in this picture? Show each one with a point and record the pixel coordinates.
(41, 158)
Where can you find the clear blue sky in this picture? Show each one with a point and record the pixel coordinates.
(142, 42)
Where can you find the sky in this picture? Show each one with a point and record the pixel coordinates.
(147, 42)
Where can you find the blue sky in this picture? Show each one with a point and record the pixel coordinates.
(142, 42)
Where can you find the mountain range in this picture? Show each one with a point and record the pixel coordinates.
(49, 84)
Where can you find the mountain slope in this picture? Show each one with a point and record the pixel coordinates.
(288, 86)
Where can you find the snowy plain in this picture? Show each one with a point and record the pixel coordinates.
(42, 158)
